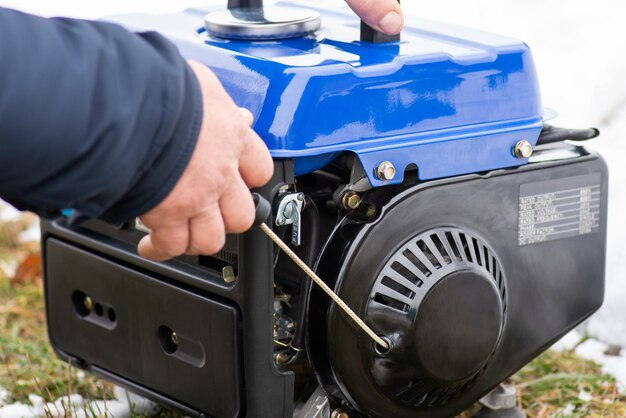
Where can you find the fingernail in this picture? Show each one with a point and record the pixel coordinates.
(391, 24)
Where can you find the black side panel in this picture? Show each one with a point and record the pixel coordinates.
(127, 324)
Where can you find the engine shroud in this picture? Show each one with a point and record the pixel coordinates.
(451, 273)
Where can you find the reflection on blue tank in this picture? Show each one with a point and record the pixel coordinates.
(448, 99)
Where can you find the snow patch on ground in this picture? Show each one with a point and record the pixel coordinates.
(8, 213)
(596, 350)
(123, 406)
(568, 342)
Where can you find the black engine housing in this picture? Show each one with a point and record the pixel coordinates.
(461, 279)
(468, 278)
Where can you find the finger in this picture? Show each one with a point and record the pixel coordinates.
(165, 243)
(255, 162)
(246, 116)
(207, 232)
(383, 15)
(237, 207)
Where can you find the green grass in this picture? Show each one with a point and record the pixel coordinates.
(555, 380)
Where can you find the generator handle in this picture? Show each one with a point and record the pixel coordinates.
(245, 4)
(369, 34)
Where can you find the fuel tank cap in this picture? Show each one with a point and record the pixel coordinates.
(263, 23)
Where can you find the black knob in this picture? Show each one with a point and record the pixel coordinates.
(369, 34)
(262, 207)
(245, 4)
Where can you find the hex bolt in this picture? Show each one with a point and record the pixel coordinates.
(523, 149)
(300, 197)
(88, 303)
(339, 413)
(350, 200)
(174, 338)
(385, 171)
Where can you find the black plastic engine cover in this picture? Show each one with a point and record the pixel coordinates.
(177, 342)
(542, 230)
(175, 331)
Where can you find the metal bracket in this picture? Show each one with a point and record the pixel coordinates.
(502, 396)
(316, 407)
(289, 209)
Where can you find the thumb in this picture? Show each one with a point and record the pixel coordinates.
(146, 249)
(383, 15)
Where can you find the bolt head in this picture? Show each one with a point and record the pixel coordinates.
(339, 413)
(280, 222)
(385, 171)
(300, 197)
(350, 200)
(174, 338)
(522, 149)
(88, 303)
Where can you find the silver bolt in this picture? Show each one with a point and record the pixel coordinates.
(300, 197)
(350, 200)
(339, 413)
(174, 338)
(522, 149)
(280, 222)
(88, 303)
(385, 171)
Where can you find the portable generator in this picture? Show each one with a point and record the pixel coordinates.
(415, 174)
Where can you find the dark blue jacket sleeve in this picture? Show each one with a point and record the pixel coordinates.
(92, 117)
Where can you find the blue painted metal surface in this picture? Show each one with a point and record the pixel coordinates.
(447, 99)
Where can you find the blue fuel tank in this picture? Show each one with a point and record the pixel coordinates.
(447, 99)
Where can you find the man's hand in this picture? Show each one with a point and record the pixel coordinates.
(212, 197)
(383, 15)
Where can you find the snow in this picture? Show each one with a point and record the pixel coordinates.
(568, 342)
(579, 49)
(595, 350)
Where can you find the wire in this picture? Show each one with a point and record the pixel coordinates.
(324, 286)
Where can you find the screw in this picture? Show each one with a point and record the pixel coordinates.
(385, 171)
(300, 197)
(522, 149)
(350, 200)
(88, 303)
(174, 338)
(339, 413)
(280, 222)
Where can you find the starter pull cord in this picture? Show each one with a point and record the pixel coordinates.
(263, 210)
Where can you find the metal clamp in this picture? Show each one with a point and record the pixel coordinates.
(288, 213)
